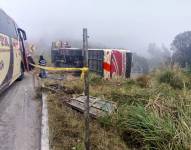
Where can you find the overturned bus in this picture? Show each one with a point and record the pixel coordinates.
(109, 63)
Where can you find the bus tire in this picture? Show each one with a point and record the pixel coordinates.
(21, 77)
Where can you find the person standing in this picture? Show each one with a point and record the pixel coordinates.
(30, 62)
(42, 62)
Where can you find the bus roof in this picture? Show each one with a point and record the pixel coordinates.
(91, 49)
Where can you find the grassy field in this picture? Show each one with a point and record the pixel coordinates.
(154, 112)
(67, 129)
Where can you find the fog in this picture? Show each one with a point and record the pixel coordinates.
(131, 24)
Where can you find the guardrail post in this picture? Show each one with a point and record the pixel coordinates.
(86, 114)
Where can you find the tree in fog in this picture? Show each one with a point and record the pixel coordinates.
(140, 64)
(181, 46)
(158, 55)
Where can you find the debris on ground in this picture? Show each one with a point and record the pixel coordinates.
(98, 107)
(66, 128)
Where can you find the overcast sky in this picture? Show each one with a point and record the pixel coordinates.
(131, 24)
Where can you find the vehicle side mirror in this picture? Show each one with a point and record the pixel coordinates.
(22, 34)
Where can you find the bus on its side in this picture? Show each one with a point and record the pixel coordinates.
(12, 52)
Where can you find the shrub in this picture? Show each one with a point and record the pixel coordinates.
(73, 87)
(142, 129)
(129, 83)
(171, 78)
(130, 98)
(143, 81)
(95, 79)
(106, 121)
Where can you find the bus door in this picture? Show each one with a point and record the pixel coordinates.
(22, 36)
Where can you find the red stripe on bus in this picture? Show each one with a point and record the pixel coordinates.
(106, 66)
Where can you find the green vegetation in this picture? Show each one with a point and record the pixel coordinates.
(67, 129)
(154, 111)
(172, 79)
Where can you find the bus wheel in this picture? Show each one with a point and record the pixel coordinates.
(21, 77)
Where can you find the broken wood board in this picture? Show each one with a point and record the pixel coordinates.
(98, 107)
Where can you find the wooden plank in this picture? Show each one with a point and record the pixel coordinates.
(98, 107)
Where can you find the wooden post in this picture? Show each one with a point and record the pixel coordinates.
(87, 119)
(85, 47)
(86, 90)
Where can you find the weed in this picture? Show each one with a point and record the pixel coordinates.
(143, 81)
(171, 78)
(142, 129)
(95, 79)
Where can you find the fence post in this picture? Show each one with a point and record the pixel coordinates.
(86, 90)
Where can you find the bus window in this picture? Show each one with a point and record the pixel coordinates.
(7, 26)
(3, 23)
(12, 31)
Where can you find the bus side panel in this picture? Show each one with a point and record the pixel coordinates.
(10, 56)
(128, 64)
(116, 64)
(107, 63)
(5, 59)
(95, 61)
(17, 59)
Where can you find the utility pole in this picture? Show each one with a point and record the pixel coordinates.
(86, 90)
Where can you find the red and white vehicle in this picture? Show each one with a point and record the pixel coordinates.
(109, 63)
(117, 63)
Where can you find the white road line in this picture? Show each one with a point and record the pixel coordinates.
(44, 128)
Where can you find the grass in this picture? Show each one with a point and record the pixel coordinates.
(157, 116)
(154, 112)
(172, 79)
(143, 129)
(67, 129)
(143, 81)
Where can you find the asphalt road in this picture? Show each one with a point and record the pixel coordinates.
(20, 117)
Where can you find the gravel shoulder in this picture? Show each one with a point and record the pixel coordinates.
(20, 119)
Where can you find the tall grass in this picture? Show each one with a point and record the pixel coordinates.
(172, 79)
(157, 116)
(153, 112)
(140, 128)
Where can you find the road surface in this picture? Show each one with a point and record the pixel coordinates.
(20, 117)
